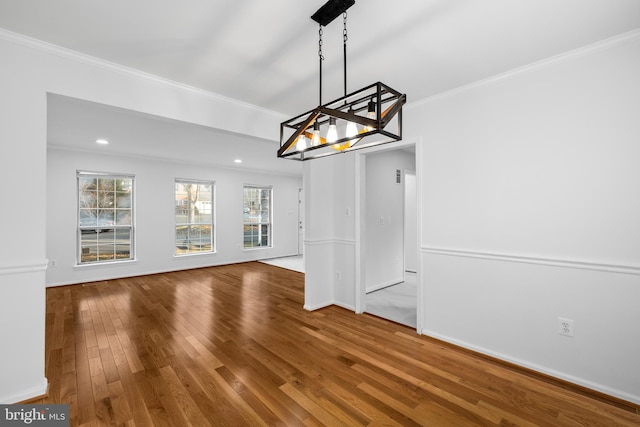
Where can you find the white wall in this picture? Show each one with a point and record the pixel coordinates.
(318, 238)
(384, 215)
(22, 253)
(343, 183)
(528, 199)
(155, 215)
(29, 71)
(329, 233)
(530, 212)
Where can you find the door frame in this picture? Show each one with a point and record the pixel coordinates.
(360, 228)
(300, 221)
(414, 267)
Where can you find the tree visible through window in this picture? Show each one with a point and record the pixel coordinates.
(105, 217)
(194, 217)
(257, 217)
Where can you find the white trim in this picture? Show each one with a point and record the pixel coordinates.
(32, 266)
(112, 267)
(344, 242)
(106, 264)
(360, 220)
(256, 248)
(329, 304)
(194, 254)
(92, 174)
(73, 55)
(318, 306)
(330, 242)
(345, 306)
(30, 393)
(421, 201)
(575, 53)
(538, 368)
(555, 262)
(317, 242)
(359, 229)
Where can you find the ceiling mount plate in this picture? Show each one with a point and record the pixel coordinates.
(331, 10)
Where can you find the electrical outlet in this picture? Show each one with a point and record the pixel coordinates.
(565, 327)
(338, 275)
(53, 263)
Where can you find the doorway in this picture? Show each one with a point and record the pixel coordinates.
(388, 235)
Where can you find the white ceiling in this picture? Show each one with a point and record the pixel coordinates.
(265, 52)
(74, 124)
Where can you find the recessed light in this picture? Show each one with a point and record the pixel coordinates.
(102, 141)
(238, 161)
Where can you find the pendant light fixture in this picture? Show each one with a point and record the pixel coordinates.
(364, 118)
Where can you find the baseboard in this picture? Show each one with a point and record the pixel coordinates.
(599, 392)
(104, 278)
(345, 306)
(28, 395)
(329, 304)
(317, 306)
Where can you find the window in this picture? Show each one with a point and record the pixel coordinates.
(257, 216)
(105, 217)
(194, 217)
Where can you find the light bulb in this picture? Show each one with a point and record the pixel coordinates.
(302, 142)
(316, 134)
(352, 130)
(332, 133)
(371, 114)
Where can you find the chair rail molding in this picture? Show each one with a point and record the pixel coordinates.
(526, 259)
(346, 242)
(28, 266)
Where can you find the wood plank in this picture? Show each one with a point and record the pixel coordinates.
(232, 345)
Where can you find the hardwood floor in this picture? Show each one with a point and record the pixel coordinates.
(232, 346)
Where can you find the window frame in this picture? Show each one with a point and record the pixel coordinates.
(260, 222)
(212, 223)
(113, 226)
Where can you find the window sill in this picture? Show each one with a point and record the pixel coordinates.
(107, 264)
(196, 254)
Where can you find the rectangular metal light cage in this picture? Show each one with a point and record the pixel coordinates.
(380, 126)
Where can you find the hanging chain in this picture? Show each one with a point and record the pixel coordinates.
(344, 31)
(344, 39)
(320, 44)
(320, 59)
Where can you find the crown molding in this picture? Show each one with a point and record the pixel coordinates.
(565, 56)
(82, 58)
